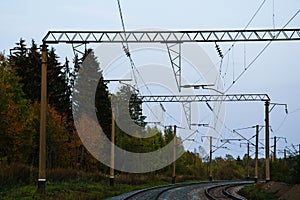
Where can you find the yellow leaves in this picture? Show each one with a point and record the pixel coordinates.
(89, 132)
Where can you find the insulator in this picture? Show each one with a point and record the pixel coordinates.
(126, 51)
(219, 50)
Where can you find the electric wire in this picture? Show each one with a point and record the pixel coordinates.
(294, 111)
(273, 18)
(128, 54)
(126, 48)
(281, 124)
(185, 139)
(133, 66)
(233, 44)
(250, 21)
(252, 18)
(259, 54)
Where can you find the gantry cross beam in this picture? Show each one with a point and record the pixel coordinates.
(171, 36)
(205, 98)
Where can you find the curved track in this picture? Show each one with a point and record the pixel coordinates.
(181, 191)
(226, 191)
(158, 192)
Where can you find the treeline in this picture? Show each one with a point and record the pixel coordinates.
(20, 89)
(20, 83)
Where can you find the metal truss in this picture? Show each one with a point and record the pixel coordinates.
(205, 98)
(187, 108)
(174, 52)
(171, 36)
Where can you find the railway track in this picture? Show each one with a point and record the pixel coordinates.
(156, 193)
(196, 190)
(225, 191)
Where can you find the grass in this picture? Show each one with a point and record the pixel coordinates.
(72, 190)
(18, 181)
(256, 192)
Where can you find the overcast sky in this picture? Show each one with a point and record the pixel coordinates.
(276, 72)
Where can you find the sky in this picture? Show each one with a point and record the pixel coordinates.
(276, 72)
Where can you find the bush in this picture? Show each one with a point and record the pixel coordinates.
(16, 174)
(256, 192)
(64, 175)
(20, 174)
(134, 179)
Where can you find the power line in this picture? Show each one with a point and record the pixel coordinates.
(252, 18)
(134, 68)
(294, 111)
(250, 21)
(128, 54)
(232, 46)
(273, 17)
(259, 54)
(246, 68)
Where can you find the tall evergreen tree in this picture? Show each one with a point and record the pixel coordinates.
(58, 87)
(27, 65)
(94, 87)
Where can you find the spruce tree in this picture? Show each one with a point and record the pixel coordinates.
(90, 84)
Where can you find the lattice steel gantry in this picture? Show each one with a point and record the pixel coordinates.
(204, 98)
(81, 38)
(171, 36)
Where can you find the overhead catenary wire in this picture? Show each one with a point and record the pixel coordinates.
(233, 44)
(230, 49)
(128, 54)
(126, 48)
(133, 66)
(294, 111)
(273, 16)
(250, 21)
(259, 54)
(252, 18)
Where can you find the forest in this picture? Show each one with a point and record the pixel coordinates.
(67, 158)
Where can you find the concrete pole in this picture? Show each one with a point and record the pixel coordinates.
(256, 155)
(210, 158)
(112, 149)
(284, 157)
(43, 113)
(174, 157)
(267, 141)
(274, 156)
(248, 157)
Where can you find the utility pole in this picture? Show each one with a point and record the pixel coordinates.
(276, 139)
(248, 156)
(112, 149)
(256, 154)
(210, 158)
(274, 156)
(174, 157)
(267, 103)
(43, 113)
(284, 157)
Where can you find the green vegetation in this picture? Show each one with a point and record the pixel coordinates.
(19, 182)
(256, 192)
(72, 190)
